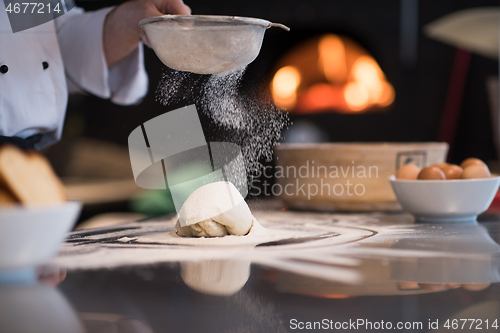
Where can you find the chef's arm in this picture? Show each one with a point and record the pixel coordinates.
(122, 33)
(102, 55)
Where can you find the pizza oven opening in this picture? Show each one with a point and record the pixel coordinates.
(330, 73)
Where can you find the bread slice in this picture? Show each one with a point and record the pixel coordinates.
(30, 177)
(7, 198)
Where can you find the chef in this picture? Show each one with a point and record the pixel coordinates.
(98, 52)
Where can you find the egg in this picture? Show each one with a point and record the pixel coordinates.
(431, 173)
(441, 165)
(452, 171)
(476, 171)
(408, 171)
(476, 286)
(471, 161)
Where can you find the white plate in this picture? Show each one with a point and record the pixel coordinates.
(31, 235)
(459, 200)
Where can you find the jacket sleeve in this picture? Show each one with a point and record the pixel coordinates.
(81, 43)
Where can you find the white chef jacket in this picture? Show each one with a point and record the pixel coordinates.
(33, 99)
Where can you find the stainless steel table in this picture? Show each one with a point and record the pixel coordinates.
(370, 272)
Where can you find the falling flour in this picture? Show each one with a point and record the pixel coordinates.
(245, 117)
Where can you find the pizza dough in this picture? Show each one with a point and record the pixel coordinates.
(214, 210)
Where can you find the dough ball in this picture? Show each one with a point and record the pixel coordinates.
(238, 220)
(214, 210)
(208, 228)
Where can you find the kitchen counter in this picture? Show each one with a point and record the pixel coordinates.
(350, 271)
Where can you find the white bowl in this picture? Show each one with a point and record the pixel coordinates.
(459, 200)
(31, 236)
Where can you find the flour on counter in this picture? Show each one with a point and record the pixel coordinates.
(156, 241)
(342, 249)
(257, 235)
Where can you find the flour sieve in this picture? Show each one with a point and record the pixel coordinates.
(206, 44)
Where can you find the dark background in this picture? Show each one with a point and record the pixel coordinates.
(420, 89)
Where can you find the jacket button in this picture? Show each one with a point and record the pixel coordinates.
(4, 69)
(45, 65)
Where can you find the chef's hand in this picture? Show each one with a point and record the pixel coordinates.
(122, 33)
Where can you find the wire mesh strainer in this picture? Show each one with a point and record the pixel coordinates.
(206, 44)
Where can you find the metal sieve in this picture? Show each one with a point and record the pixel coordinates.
(206, 44)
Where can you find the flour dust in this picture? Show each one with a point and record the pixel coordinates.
(242, 116)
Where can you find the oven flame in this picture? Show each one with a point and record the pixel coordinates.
(332, 58)
(330, 73)
(356, 96)
(284, 86)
